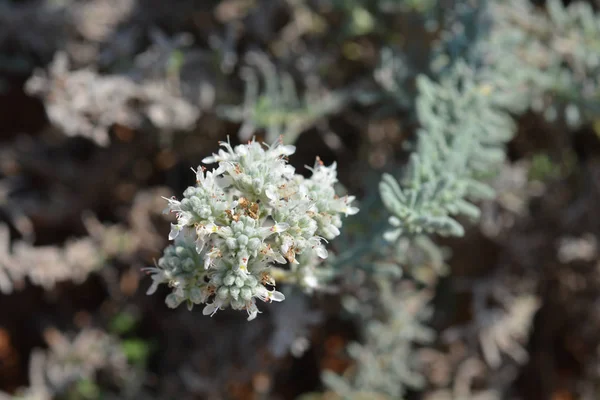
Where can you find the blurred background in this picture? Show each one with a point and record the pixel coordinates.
(105, 105)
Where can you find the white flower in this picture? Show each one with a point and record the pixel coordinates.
(213, 254)
(158, 276)
(239, 219)
(280, 227)
(252, 310)
(212, 308)
(268, 296)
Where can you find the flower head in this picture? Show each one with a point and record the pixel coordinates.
(240, 219)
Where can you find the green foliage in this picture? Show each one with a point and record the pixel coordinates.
(387, 346)
(123, 323)
(136, 351)
(465, 116)
(482, 75)
(85, 389)
(462, 137)
(554, 53)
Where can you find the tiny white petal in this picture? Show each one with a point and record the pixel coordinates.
(310, 281)
(278, 258)
(199, 245)
(351, 210)
(277, 296)
(271, 193)
(173, 300)
(175, 229)
(252, 311)
(392, 236)
(321, 251)
(394, 221)
(211, 308)
(224, 182)
(280, 227)
(334, 229)
(184, 219)
(285, 246)
(153, 287)
(287, 149)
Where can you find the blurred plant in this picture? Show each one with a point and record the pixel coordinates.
(463, 131)
(47, 266)
(498, 329)
(393, 75)
(465, 117)
(556, 52)
(544, 168)
(391, 309)
(69, 369)
(84, 103)
(278, 109)
(384, 360)
(293, 320)
(465, 120)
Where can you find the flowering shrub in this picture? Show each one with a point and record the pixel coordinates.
(253, 210)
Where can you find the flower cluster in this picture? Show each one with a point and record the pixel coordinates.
(251, 212)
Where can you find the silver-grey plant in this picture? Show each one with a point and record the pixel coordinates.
(253, 210)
